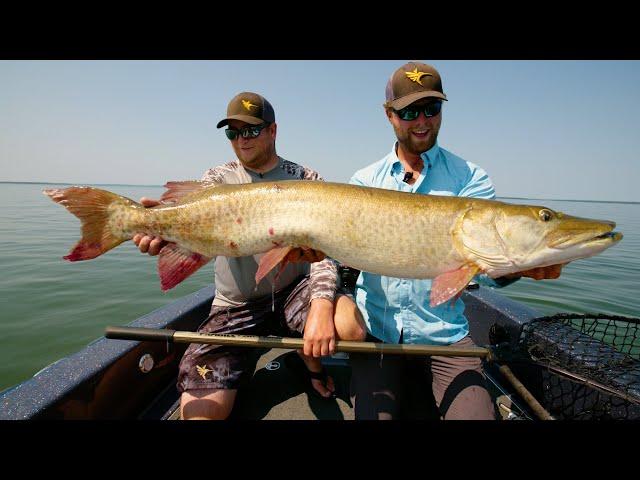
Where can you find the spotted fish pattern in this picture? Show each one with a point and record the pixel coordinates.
(323, 274)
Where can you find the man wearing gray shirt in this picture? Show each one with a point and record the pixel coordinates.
(301, 300)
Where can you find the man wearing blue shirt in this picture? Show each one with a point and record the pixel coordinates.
(397, 310)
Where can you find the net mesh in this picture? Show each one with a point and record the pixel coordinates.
(588, 365)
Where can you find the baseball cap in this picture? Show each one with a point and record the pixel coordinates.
(411, 82)
(249, 107)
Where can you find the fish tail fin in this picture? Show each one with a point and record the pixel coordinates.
(91, 206)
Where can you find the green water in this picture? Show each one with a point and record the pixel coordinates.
(50, 308)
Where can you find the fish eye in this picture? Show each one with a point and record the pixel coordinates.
(545, 215)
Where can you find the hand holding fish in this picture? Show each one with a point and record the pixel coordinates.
(540, 273)
(149, 243)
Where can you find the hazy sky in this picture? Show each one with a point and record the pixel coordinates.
(541, 129)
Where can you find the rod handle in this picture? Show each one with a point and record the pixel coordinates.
(132, 333)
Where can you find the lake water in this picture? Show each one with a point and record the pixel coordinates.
(50, 308)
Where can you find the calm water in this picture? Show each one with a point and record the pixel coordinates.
(50, 308)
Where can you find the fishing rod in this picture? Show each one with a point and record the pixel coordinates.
(175, 336)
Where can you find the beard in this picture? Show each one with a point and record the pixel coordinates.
(417, 146)
(256, 157)
(414, 145)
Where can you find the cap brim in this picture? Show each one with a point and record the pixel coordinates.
(402, 102)
(242, 118)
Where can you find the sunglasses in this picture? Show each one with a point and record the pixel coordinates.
(245, 132)
(413, 111)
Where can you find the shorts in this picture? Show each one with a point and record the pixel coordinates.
(384, 387)
(206, 366)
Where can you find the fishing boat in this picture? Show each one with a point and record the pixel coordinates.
(129, 379)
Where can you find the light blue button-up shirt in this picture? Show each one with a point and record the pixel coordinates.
(394, 306)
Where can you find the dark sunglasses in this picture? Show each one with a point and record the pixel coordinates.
(245, 132)
(413, 111)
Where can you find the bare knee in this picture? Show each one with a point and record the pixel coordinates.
(207, 404)
(348, 320)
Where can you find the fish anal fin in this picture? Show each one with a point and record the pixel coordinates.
(449, 284)
(176, 191)
(176, 263)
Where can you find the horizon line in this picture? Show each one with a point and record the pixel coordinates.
(154, 185)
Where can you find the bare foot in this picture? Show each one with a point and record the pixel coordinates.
(314, 365)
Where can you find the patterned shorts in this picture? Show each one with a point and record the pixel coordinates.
(205, 366)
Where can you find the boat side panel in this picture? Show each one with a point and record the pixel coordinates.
(103, 380)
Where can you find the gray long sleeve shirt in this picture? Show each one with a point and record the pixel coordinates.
(235, 276)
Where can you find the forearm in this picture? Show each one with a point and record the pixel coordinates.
(323, 279)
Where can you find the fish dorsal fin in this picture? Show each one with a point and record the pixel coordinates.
(177, 263)
(446, 285)
(177, 192)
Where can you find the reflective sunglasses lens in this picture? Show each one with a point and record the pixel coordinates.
(432, 109)
(408, 113)
(250, 132)
(231, 134)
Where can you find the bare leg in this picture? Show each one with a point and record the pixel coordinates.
(208, 404)
(348, 320)
(349, 325)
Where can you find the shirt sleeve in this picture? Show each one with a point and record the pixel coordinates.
(218, 173)
(323, 276)
(358, 179)
(478, 184)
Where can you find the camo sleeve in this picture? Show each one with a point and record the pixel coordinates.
(323, 279)
(231, 172)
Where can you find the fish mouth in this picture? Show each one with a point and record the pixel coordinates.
(586, 240)
(611, 235)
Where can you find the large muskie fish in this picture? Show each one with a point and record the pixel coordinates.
(448, 239)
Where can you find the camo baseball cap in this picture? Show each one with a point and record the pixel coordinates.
(249, 107)
(411, 82)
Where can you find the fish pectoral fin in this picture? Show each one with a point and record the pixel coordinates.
(270, 260)
(448, 285)
(176, 191)
(176, 263)
(283, 255)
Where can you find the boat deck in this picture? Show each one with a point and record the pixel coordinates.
(274, 392)
(283, 396)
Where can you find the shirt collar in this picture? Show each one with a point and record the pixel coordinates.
(429, 157)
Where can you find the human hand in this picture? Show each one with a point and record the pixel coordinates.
(540, 273)
(319, 331)
(149, 243)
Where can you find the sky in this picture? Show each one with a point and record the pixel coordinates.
(541, 129)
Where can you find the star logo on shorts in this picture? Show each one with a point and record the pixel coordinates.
(247, 104)
(415, 75)
(202, 371)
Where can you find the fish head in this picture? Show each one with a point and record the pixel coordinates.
(503, 238)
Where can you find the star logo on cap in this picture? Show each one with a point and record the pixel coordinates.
(247, 104)
(202, 371)
(415, 75)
